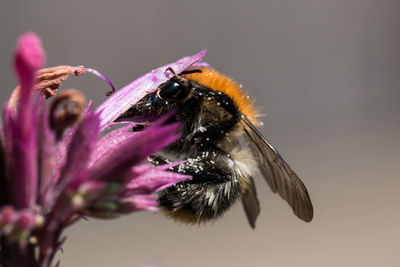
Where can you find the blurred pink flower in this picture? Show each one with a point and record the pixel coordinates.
(50, 179)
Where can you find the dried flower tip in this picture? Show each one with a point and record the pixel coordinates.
(48, 81)
(98, 74)
(66, 110)
(152, 179)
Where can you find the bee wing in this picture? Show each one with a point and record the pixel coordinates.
(278, 174)
(250, 203)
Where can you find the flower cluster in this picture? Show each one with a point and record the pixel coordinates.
(60, 165)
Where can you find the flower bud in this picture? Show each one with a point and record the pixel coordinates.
(7, 215)
(105, 206)
(26, 220)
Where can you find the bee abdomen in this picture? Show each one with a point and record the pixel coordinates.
(214, 187)
(195, 203)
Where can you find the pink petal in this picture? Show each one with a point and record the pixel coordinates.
(202, 64)
(123, 99)
(170, 165)
(22, 160)
(80, 149)
(149, 179)
(63, 145)
(29, 58)
(132, 151)
(111, 142)
(47, 162)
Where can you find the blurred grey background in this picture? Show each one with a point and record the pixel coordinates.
(326, 74)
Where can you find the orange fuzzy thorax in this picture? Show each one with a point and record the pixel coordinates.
(219, 82)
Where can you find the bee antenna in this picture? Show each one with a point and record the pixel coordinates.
(171, 70)
(177, 77)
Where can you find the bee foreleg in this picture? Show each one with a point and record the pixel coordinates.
(157, 159)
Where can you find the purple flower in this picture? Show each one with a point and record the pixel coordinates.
(58, 166)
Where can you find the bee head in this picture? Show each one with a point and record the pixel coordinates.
(167, 96)
(175, 90)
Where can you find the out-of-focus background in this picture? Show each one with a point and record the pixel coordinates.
(326, 74)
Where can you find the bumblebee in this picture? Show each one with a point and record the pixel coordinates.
(221, 146)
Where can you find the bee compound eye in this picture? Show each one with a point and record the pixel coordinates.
(171, 89)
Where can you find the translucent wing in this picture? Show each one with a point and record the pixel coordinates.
(250, 203)
(278, 174)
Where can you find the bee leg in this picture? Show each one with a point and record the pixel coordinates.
(156, 159)
(139, 126)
